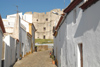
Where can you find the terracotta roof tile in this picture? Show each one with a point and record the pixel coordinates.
(60, 20)
(2, 25)
(72, 5)
(87, 4)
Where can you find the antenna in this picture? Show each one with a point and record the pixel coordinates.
(17, 9)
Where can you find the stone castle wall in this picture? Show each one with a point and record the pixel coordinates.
(44, 23)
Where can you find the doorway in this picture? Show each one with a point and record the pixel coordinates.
(22, 49)
(80, 55)
(44, 37)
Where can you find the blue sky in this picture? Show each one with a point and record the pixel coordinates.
(8, 7)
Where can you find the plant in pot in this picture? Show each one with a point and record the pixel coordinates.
(53, 59)
(50, 55)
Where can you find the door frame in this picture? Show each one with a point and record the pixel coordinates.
(80, 54)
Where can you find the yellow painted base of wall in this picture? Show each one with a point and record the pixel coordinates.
(20, 55)
(28, 53)
(56, 61)
(34, 50)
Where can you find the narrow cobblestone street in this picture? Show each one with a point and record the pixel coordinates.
(37, 59)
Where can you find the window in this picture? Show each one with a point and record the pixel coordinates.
(44, 37)
(46, 19)
(44, 28)
(37, 19)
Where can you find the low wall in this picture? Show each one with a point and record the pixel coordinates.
(42, 47)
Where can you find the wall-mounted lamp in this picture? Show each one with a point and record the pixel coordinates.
(58, 13)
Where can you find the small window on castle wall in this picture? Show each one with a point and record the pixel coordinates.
(46, 19)
(44, 37)
(37, 19)
(44, 28)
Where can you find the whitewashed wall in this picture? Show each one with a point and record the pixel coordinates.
(55, 45)
(10, 51)
(28, 17)
(89, 30)
(60, 46)
(9, 22)
(86, 30)
(1, 42)
(26, 24)
(72, 23)
(24, 40)
(13, 50)
(33, 37)
(28, 45)
(18, 50)
(67, 47)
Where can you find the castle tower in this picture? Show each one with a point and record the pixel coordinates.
(44, 23)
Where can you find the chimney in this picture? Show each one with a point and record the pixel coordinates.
(16, 30)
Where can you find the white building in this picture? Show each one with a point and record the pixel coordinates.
(21, 28)
(77, 38)
(2, 30)
(9, 22)
(24, 40)
(30, 29)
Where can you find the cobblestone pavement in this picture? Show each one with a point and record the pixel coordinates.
(37, 59)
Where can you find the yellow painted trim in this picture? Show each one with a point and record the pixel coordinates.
(20, 55)
(34, 50)
(24, 55)
(30, 28)
(55, 33)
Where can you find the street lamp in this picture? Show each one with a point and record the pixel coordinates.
(55, 12)
(58, 13)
